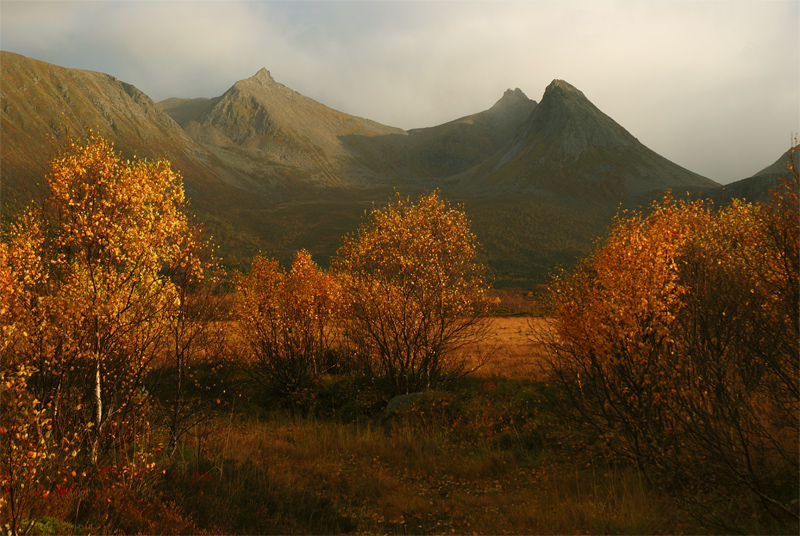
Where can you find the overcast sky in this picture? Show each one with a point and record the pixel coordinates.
(712, 85)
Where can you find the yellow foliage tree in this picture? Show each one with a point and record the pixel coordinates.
(90, 291)
(28, 453)
(413, 291)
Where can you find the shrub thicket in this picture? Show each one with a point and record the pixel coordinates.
(677, 340)
(287, 321)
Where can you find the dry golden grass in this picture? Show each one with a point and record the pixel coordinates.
(486, 456)
(298, 476)
(479, 460)
(510, 350)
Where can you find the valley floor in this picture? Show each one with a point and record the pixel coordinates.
(484, 457)
(490, 454)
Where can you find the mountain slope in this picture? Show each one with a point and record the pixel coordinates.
(267, 169)
(45, 103)
(563, 147)
(275, 135)
(757, 187)
(294, 138)
(448, 149)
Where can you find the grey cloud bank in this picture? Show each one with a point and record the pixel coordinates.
(712, 85)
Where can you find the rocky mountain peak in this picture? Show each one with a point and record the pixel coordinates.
(511, 108)
(570, 124)
(562, 88)
(513, 98)
(263, 77)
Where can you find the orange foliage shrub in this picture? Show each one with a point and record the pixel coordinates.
(413, 291)
(678, 341)
(287, 321)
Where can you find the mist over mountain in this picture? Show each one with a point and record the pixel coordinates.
(268, 169)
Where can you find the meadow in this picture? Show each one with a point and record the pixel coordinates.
(492, 453)
(486, 455)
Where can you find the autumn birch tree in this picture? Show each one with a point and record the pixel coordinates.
(98, 294)
(413, 292)
(287, 321)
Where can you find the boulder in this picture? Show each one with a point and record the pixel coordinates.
(401, 402)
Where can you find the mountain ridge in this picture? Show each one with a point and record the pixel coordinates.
(284, 133)
(562, 146)
(44, 104)
(758, 186)
(268, 169)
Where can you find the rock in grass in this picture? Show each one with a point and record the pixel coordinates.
(401, 402)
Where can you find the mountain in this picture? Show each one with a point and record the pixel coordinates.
(42, 104)
(446, 150)
(288, 139)
(757, 187)
(267, 169)
(276, 136)
(569, 148)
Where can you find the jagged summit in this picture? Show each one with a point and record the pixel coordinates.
(508, 113)
(570, 148)
(261, 80)
(572, 124)
(263, 76)
(513, 96)
(513, 102)
(565, 88)
(454, 147)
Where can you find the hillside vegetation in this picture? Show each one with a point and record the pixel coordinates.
(147, 390)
